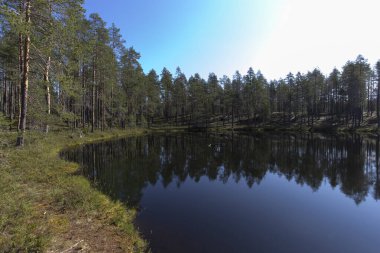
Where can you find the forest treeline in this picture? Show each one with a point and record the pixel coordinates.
(59, 67)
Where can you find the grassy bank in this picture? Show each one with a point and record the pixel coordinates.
(45, 207)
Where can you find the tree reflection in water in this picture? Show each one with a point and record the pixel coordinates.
(123, 168)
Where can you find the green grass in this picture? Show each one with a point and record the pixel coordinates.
(40, 194)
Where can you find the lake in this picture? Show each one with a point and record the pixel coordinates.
(243, 193)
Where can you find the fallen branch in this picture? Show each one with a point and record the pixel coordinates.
(72, 247)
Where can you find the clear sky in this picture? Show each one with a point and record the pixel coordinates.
(222, 36)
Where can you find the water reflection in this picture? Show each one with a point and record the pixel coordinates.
(124, 168)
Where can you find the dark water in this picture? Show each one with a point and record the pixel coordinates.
(262, 193)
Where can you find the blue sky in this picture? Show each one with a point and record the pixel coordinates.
(222, 36)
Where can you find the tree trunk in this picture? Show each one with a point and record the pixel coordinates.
(83, 98)
(11, 101)
(47, 87)
(25, 79)
(103, 113)
(20, 66)
(97, 107)
(111, 107)
(93, 96)
(5, 95)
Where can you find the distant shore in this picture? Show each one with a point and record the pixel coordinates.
(322, 124)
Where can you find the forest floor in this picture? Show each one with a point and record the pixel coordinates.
(46, 207)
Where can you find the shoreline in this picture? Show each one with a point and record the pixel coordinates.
(46, 207)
